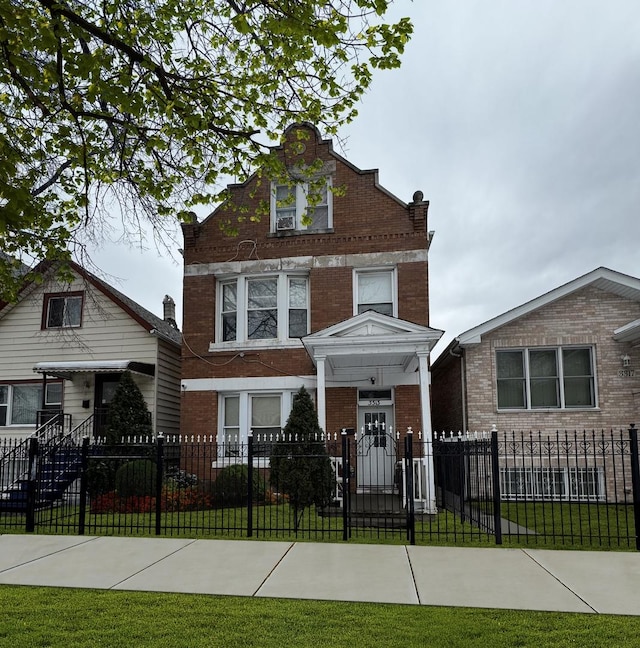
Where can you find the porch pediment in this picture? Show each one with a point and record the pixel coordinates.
(371, 340)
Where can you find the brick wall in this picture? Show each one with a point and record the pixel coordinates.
(588, 317)
(198, 413)
(367, 219)
(342, 409)
(407, 409)
(446, 387)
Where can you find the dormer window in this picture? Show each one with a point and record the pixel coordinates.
(62, 310)
(291, 211)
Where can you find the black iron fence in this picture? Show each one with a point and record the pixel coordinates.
(569, 489)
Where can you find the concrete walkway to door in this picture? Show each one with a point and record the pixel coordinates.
(529, 579)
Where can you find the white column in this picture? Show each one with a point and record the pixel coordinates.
(427, 431)
(321, 395)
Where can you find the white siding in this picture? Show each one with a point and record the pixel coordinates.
(107, 333)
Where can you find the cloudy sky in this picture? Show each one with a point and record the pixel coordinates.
(520, 122)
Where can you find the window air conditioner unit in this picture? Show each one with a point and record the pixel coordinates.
(285, 223)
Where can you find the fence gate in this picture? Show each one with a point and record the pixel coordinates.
(376, 497)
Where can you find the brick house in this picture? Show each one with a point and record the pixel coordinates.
(564, 360)
(337, 302)
(555, 375)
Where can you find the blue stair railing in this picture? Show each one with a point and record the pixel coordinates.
(56, 467)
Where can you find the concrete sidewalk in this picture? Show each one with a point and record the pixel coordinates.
(530, 579)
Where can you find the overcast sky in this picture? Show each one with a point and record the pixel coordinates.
(520, 122)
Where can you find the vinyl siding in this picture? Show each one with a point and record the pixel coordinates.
(107, 333)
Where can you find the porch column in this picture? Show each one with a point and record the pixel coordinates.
(321, 396)
(427, 431)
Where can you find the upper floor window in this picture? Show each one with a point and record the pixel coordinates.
(292, 208)
(20, 402)
(63, 310)
(375, 290)
(273, 307)
(561, 377)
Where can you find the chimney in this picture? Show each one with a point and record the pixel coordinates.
(169, 310)
(418, 209)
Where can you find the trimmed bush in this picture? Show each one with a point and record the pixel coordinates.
(230, 487)
(137, 477)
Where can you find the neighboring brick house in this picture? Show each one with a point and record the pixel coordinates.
(569, 359)
(340, 305)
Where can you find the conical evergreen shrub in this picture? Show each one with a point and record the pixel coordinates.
(128, 414)
(300, 464)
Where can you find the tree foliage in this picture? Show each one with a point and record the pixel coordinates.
(128, 414)
(148, 105)
(300, 464)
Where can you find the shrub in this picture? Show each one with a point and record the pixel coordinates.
(100, 477)
(185, 499)
(230, 487)
(300, 464)
(136, 478)
(128, 414)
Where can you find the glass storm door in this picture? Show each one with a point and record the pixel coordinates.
(376, 449)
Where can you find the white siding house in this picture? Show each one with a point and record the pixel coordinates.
(64, 346)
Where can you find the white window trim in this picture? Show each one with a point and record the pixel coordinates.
(242, 342)
(559, 362)
(286, 401)
(9, 403)
(301, 191)
(376, 270)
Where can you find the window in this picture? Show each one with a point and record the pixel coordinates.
(375, 290)
(19, 403)
(262, 413)
(298, 307)
(231, 426)
(63, 311)
(265, 422)
(545, 378)
(267, 308)
(566, 483)
(291, 209)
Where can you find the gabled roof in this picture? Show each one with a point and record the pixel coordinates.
(145, 318)
(602, 278)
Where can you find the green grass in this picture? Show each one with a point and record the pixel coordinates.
(269, 523)
(551, 525)
(589, 526)
(50, 617)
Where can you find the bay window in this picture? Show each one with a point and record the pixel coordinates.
(545, 378)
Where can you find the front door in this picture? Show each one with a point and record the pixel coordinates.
(376, 449)
(106, 385)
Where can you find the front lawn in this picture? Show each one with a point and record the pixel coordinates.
(57, 617)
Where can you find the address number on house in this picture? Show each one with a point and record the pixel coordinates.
(626, 373)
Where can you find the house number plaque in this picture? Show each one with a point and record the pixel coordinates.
(626, 373)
